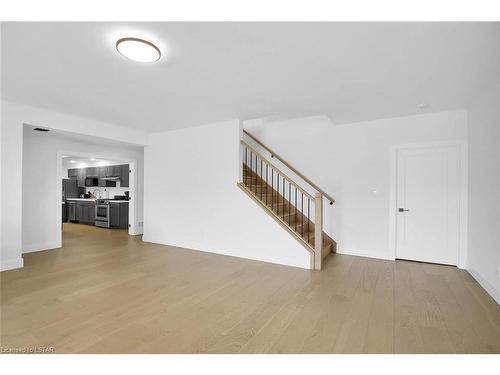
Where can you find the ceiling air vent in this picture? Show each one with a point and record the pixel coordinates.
(41, 129)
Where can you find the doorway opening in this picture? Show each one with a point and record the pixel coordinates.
(96, 192)
(87, 183)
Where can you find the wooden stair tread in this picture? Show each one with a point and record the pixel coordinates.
(285, 210)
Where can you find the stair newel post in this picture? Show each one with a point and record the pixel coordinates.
(242, 154)
(318, 230)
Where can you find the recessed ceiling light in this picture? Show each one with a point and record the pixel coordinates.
(422, 106)
(138, 49)
(92, 159)
(72, 161)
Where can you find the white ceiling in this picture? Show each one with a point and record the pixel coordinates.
(219, 71)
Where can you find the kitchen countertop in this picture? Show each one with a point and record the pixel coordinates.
(93, 200)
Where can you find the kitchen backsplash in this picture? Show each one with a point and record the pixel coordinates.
(107, 192)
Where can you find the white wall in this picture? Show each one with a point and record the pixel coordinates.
(352, 163)
(12, 155)
(41, 189)
(484, 189)
(12, 118)
(192, 200)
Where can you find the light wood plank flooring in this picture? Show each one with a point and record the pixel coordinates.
(106, 292)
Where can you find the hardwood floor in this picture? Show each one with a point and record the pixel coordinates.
(106, 292)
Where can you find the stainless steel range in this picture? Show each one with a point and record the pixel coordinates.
(102, 213)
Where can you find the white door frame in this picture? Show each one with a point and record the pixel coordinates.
(461, 146)
(133, 183)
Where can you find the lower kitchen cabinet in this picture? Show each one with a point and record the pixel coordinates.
(85, 212)
(118, 215)
(71, 210)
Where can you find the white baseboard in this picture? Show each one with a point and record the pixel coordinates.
(41, 246)
(196, 247)
(136, 229)
(366, 254)
(11, 264)
(490, 289)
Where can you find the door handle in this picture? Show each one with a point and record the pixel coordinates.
(402, 209)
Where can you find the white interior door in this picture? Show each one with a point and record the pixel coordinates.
(428, 193)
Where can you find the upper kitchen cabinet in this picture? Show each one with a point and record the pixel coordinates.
(101, 173)
(72, 173)
(124, 175)
(78, 174)
(82, 174)
(92, 172)
(113, 171)
(120, 171)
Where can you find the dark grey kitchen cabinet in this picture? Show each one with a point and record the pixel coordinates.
(101, 173)
(69, 188)
(120, 171)
(114, 215)
(82, 174)
(91, 172)
(112, 170)
(118, 215)
(71, 210)
(85, 212)
(124, 175)
(64, 212)
(79, 211)
(73, 173)
(90, 213)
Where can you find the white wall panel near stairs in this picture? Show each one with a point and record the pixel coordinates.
(192, 200)
(352, 162)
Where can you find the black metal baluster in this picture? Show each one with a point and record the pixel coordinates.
(289, 201)
(251, 168)
(260, 182)
(308, 208)
(272, 187)
(283, 199)
(246, 167)
(256, 175)
(295, 209)
(278, 196)
(267, 172)
(302, 215)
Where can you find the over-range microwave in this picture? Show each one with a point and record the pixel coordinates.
(92, 181)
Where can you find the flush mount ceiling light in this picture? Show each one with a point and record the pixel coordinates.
(138, 49)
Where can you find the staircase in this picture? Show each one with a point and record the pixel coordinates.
(296, 210)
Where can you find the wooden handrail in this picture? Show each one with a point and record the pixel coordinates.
(290, 181)
(273, 154)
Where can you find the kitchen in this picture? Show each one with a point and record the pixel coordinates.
(95, 192)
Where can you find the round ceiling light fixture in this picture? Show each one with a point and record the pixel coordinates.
(138, 49)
